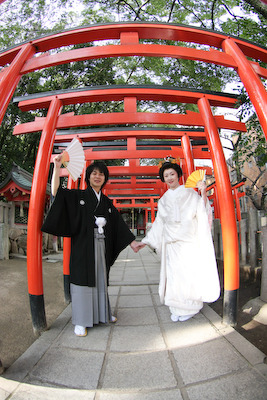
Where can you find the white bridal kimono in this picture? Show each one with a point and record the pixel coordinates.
(181, 234)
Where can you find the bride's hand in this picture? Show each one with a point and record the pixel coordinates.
(201, 185)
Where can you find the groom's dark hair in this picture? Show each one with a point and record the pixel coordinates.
(101, 167)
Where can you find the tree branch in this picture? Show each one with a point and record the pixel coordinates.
(228, 148)
(191, 11)
(259, 6)
(212, 14)
(171, 10)
(139, 9)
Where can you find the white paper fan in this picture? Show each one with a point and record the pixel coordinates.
(195, 177)
(73, 158)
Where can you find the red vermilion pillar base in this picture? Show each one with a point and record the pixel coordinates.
(66, 268)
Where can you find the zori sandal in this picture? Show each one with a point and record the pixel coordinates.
(80, 330)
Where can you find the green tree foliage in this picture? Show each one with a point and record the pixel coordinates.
(249, 157)
(24, 20)
(253, 143)
(23, 149)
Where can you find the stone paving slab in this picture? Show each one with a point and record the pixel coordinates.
(113, 302)
(137, 316)
(96, 339)
(141, 338)
(135, 301)
(72, 368)
(31, 392)
(113, 290)
(150, 370)
(143, 356)
(211, 359)
(154, 288)
(117, 277)
(142, 395)
(245, 385)
(134, 290)
(7, 387)
(195, 331)
(138, 276)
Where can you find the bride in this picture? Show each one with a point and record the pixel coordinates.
(181, 234)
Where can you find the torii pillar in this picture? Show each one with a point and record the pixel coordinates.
(11, 77)
(35, 219)
(67, 251)
(227, 213)
(188, 155)
(250, 79)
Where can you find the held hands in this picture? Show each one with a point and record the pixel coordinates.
(136, 246)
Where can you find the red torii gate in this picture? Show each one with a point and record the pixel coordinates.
(232, 53)
(130, 96)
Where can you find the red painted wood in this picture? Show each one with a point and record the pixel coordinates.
(224, 190)
(144, 31)
(113, 93)
(36, 208)
(11, 77)
(142, 50)
(252, 82)
(189, 155)
(65, 122)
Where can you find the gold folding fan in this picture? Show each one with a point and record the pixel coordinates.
(195, 177)
(73, 158)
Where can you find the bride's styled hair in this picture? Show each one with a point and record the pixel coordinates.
(169, 165)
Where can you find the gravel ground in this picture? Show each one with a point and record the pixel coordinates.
(16, 333)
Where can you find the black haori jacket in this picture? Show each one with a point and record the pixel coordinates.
(72, 214)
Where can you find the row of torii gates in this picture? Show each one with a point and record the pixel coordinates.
(196, 138)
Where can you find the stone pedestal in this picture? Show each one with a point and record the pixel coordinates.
(4, 242)
(253, 228)
(263, 295)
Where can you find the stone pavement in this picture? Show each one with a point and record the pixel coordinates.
(143, 356)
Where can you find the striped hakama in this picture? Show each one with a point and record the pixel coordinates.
(90, 305)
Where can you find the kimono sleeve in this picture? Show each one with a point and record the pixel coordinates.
(63, 216)
(154, 237)
(209, 278)
(121, 235)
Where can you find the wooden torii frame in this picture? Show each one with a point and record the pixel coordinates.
(232, 53)
(130, 96)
